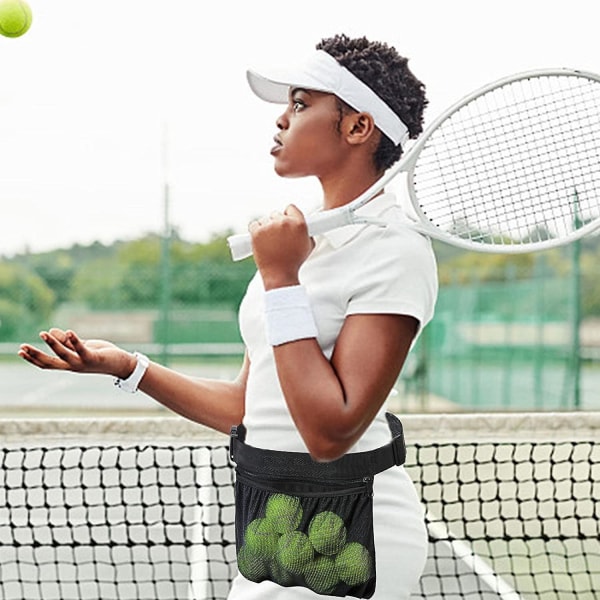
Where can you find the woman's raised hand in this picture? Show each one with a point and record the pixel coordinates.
(281, 244)
(71, 353)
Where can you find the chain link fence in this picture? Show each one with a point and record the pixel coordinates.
(522, 337)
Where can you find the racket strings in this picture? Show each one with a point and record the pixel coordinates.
(481, 148)
(510, 124)
(476, 116)
(517, 164)
(491, 168)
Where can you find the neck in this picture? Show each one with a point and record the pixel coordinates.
(344, 187)
(344, 190)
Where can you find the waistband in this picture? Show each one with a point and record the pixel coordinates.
(300, 464)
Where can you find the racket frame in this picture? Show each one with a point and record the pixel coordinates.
(241, 246)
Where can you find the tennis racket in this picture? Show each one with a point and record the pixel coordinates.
(513, 167)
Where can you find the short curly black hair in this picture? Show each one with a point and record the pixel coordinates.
(379, 66)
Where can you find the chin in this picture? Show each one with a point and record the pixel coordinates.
(283, 172)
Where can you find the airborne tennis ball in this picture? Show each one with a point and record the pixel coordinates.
(284, 512)
(321, 575)
(294, 552)
(354, 564)
(251, 565)
(15, 17)
(327, 532)
(261, 538)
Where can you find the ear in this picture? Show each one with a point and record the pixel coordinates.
(360, 128)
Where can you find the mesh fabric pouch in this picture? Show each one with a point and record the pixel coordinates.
(309, 524)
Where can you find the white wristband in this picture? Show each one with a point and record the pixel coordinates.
(131, 383)
(288, 315)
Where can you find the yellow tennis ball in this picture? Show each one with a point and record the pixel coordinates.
(284, 512)
(321, 575)
(327, 533)
(280, 575)
(252, 565)
(294, 551)
(354, 564)
(261, 538)
(15, 17)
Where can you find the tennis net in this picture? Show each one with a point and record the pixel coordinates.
(144, 508)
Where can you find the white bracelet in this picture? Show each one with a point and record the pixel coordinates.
(131, 383)
(288, 315)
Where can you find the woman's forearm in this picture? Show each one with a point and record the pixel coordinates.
(214, 403)
(333, 401)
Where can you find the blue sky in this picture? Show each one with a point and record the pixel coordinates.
(103, 100)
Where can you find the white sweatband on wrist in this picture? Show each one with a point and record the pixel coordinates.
(288, 315)
(131, 383)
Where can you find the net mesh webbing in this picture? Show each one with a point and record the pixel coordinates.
(509, 517)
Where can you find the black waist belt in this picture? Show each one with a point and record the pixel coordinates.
(300, 464)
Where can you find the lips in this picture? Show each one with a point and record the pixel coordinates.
(278, 145)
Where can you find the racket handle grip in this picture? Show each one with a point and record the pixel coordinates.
(240, 245)
(328, 220)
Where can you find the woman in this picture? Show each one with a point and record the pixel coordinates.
(327, 321)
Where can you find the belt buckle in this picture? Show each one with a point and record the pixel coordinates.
(233, 435)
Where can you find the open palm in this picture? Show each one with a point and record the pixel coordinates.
(71, 353)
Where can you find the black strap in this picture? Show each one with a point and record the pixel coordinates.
(299, 464)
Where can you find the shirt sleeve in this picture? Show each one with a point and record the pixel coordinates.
(396, 273)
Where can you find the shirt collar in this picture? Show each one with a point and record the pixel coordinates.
(377, 207)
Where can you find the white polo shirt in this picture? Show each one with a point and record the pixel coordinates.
(355, 269)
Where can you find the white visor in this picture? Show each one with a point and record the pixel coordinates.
(321, 72)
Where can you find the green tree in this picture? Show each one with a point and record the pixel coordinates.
(57, 269)
(138, 263)
(97, 284)
(199, 274)
(26, 302)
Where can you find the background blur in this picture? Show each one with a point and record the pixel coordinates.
(510, 333)
(130, 147)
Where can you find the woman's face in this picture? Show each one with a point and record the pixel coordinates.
(309, 141)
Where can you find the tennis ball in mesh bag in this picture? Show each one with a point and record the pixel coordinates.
(261, 538)
(15, 18)
(251, 565)
(354, 564)
(294, 551)
(280, 575)
(321, 575)
(327, 532)
(284, 512)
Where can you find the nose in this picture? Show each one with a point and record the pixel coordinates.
(282, 121)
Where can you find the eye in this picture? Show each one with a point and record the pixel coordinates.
(298, 104)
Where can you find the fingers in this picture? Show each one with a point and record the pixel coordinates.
(62, 336)
(29, 353)
(40, 359)
(291, 212)
(61, 346)
(274, 217)
(68, 349)
(59, 334)
(74, 342)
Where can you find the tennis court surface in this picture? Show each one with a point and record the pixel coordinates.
(143, 507)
